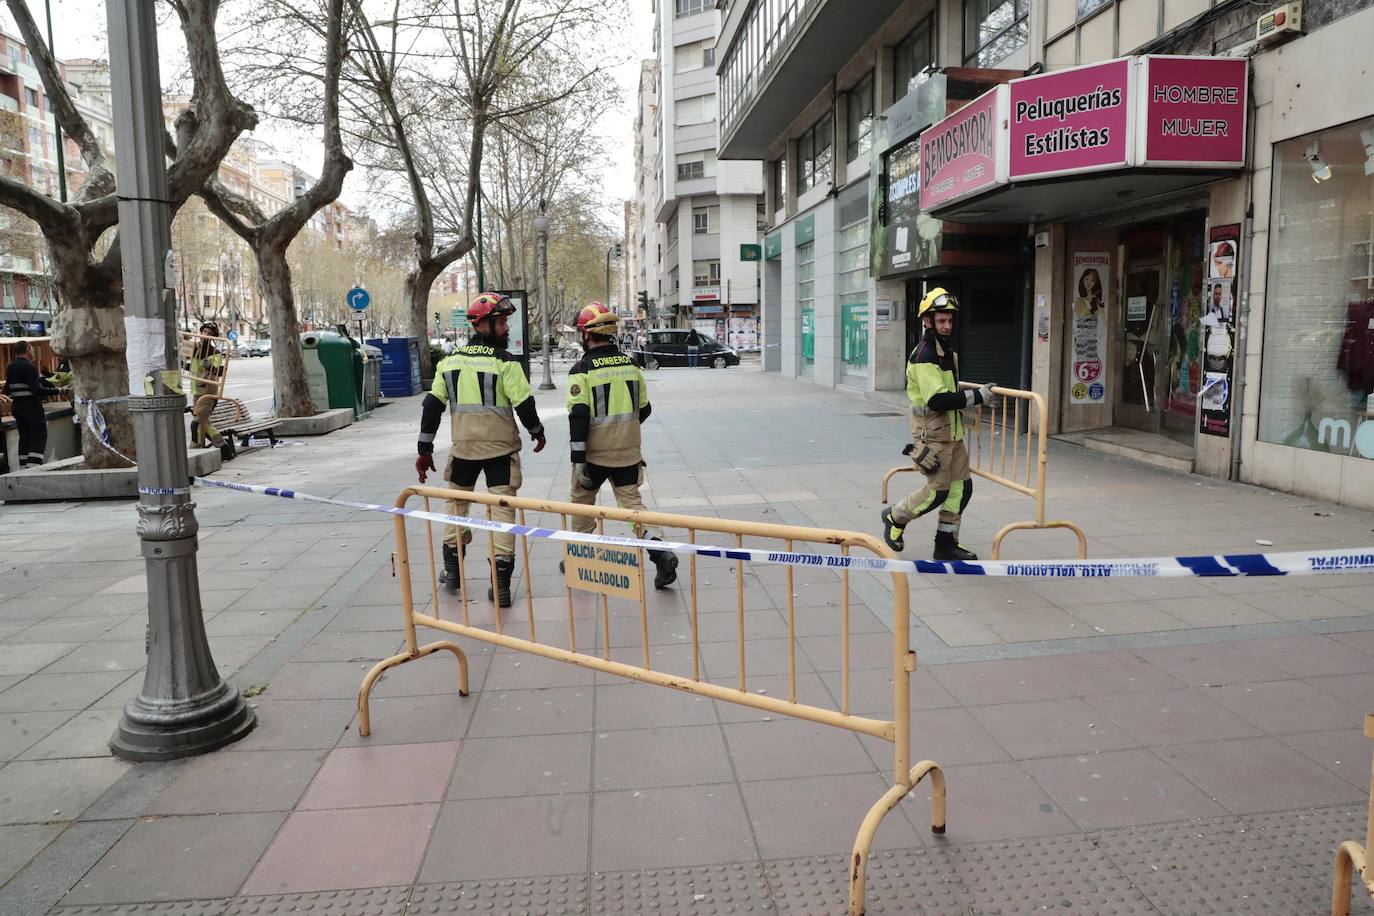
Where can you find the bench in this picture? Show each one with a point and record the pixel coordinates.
(232, 419)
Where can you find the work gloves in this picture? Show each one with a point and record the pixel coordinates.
(925, 459)
(582, 478)
(424, 463)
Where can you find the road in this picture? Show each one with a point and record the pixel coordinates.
(250, 380)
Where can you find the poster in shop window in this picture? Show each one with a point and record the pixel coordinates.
(1087, 365)
(1219, 329)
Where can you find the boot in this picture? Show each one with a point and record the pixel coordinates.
(892, 532)
(667, 567)
(947, 548)
(451, 577)
(227, 451)
(505, 567)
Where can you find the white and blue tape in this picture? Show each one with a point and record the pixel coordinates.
(1294, 563)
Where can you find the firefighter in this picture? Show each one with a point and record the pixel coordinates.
(607, 403)
(937, 431)
(206, 369)
(485, 389)
(26, 389)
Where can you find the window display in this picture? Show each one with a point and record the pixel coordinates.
(1318, 370)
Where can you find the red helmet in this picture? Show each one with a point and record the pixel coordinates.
(489, 304)
(597, 319)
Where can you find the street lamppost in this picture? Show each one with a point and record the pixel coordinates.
(541, 235)
(184, 707)
(230, 268)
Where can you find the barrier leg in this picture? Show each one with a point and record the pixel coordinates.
(887, 478)
(858, 862)
(1038, 526)
(364, 719)
(1349, 862)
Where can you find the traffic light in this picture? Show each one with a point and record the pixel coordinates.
(644, 301)
(616, 251)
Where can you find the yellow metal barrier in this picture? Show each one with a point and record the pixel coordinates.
(1350, 855)
(1022, 471)
(896, 730)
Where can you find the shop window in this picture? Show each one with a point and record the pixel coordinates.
(815, 155)
(993, 29)
(859, 118)
(1318, 364)
(806, 301)
(912, 57)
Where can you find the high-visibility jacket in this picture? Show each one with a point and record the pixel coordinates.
(25, 385)
(932, 387)
(206, 365)
(483, 387)
(607, 400)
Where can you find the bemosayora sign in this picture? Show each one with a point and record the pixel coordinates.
(966, 152)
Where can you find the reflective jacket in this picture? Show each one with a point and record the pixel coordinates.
(932, 386)
(23, 383)
(205, 367)
(607, 400)
(484, 388)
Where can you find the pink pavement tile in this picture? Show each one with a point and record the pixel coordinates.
(335, 850)
(395, 774)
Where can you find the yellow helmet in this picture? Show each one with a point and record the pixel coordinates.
(938, 299)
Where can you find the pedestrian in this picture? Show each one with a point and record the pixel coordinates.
(607, 403)
(937, 431)
(27, 388)
(206, 368)
(693, 348)
(485, 389)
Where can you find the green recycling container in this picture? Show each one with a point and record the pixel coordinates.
(343, 369)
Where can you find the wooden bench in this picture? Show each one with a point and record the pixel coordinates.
(232, 419)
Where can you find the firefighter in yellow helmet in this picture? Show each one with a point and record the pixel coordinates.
(607, 402)
(937, 432)
(484, 389)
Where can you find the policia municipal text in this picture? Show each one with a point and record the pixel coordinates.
(485, 389)
(937, 432)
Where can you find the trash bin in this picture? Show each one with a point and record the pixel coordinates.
(372, 377)
(341, 366)
(400, 375)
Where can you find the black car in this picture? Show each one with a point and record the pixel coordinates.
(668, 347)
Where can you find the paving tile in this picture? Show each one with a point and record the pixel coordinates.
(238, 783)
(736, 887)
(1362, 640)
(320, 850)
(37, 791)
(1279, 707)
(1088, 673)
(19, 731)
(1214, 611)
(1308, 656)
(651, 757)
(433, 675)
(532, 712)
(1307, 604)
(63, 630)
(545, 895)
(962, 630)
(104, 655)
(1161, 717)
(866, 651)
(992, 801)
(375, 901)
(178, 858)
(1003, 681)
(761, 656)
(951, 737)
(1211, 664)
(811, 691)
(20, 843)
(1119, 789)
(1036, 624)
(689, 825)
(1344, 751)
(1127, 617)
(531, 765)
(334, 646)
(783, 749)
(1355, 689)
(522, 671)
(821, 815)
(31, 657)
(318, 681)
(635, 705)
(900, 881)
(1051, 728)
(372, 775)
(1249, 775)
(510, 837)
(298, 724)
(414, 720)
(85, 734)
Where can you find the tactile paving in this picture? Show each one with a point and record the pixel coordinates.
(899, 881)
(735, 888)
(1043, 874)
(542, 896)
(375, 901)
(1305, 849)
(167, 908)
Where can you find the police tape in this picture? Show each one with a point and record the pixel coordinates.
(1294, 563)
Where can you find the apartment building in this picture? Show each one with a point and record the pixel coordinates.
(1157, 213)
(698, 217)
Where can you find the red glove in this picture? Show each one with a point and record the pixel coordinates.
(540, 442)
(424, 463)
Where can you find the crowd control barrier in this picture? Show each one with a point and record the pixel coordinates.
(523, 635)
(1350, 855)
(1005, 451)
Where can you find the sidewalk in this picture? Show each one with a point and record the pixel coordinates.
(1134, 746)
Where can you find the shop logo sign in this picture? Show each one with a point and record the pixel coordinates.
(1193, 111)
(966, 152)
(1071, 121)
(1335, 433)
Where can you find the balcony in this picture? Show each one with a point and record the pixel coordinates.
(779, 57)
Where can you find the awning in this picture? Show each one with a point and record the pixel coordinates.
(1077, 141)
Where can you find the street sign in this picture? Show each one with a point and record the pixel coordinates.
(357, 298)
(458, 320)
(750, 252)
(233, 335)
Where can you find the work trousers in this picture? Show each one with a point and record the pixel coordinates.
(205, 433)
(502, 477)
(33, 431)
(625, 483)
(948, 489)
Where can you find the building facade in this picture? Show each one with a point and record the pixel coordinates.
(698, 218)
(1156, 214)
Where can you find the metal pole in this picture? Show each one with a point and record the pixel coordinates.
(184, 707)
(541, 234)
(57, 128)
(608, 278)
(481, 271)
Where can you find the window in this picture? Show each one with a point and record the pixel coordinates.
(708, 55)
(1319, 300)
(760, 217)
(688, 57)
(31, 96)
(911, 57)
(815, 157)
(691, 168)
(706, 273)
(852, 277)
(672, 231)
(780, 183)
(698, 109)
(1088, 7)
(993, 29)
(691, 7)
(672, 279)
(806, 301)
(859, 118)
(705, 220)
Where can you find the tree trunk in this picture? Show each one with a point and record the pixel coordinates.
(289, 383)
(91, 334)
(417, 286)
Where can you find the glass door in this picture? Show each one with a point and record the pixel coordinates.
(1144, 329)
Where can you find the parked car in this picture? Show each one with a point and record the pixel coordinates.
(242, 349)
(668, 347)
(261, 347)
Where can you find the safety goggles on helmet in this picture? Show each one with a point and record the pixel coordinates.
(487, 305)
(597, 319)
(938, 300)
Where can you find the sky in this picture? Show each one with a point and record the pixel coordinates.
(79, 31)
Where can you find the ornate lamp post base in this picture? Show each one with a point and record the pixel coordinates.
(156, 729)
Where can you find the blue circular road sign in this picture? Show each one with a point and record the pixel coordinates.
(233, 335)
(357, 298)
